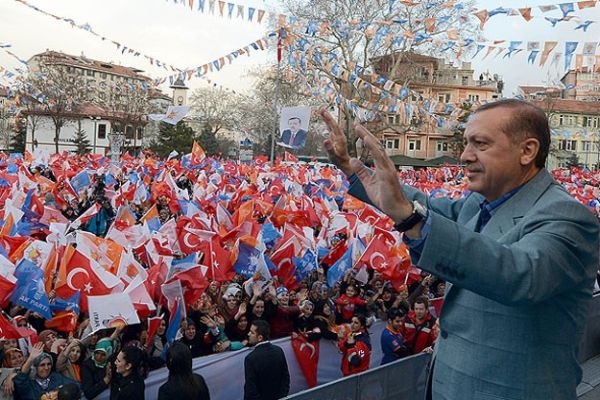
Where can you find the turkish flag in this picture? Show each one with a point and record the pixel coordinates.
(282, 258)
(307, 354)
(378, 256)
(6, 288)
(63, 321)
(153, 325)
(8, 330)
(193, 281)
(156, 277)
(77, 272)
(220, 266)
(437, 304)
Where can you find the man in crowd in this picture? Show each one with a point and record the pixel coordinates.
(519, 254)
(393, 344)
(418, 326)
(265, 368)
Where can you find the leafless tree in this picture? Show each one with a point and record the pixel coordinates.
(55, 92)
(217, 109)
(355, 34)
(128, 103)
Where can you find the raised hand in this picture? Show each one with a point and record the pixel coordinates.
(381, 184)
(336, 145)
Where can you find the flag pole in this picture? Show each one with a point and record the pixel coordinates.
(276, 99)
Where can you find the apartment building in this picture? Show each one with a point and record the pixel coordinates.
(433, 81)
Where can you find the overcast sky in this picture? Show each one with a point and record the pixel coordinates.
(178, 36)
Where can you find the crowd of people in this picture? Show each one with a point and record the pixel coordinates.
(310, 199)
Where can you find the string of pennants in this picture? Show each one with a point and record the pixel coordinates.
(218, 64)
(484, 15)
(87, 28)
(227, 9)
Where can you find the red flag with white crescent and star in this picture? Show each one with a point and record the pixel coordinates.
(307, 354)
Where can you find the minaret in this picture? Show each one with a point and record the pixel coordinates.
(179, 93)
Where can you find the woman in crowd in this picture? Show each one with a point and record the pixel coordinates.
(12, 362)
(182, 382)
(96, 371)
(130, 369)
(70, 360)
(157, 346)
(324, 319)
(43, 381)
(356, 347)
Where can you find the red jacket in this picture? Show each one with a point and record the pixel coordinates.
(357, 356)
(347, 310)
(418, 336)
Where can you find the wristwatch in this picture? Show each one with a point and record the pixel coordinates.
(419, 214)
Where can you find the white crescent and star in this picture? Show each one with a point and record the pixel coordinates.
(72, 274)
(373, 258)
(187, 243)
(310, 346)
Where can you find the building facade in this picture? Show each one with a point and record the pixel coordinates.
(115, 103)
(437, 83)
(574, 116)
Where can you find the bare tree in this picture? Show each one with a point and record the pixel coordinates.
(216, 109)
(128, 104)
(355, 34)
(260, 117)
(56, 91)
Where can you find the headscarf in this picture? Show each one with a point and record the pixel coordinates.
(36, 363)
(104, 345)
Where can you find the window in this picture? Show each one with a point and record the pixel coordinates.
(414, 145)
(103, 75)
(90, 73)
(101, 131)
(444, 97)
(585, 145)
(139, 133)
(396, 143)
(465, 80)
(591, 122)
(567, 145)
(112, 77)
(473, 98)
(566, 120)
(389, 144)
(392, 119)
(442, 146)
(129, 132)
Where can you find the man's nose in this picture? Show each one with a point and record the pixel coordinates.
(467, 156)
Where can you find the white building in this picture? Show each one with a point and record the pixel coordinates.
(98, 123)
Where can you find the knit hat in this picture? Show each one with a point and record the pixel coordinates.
(281, 290)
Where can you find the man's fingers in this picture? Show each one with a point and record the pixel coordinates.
(360, 169)
(380, 157)
(335, 131)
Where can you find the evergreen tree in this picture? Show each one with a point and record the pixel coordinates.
(573, 161)
(208, 141)
(18, 140)
(82, 143)
(179, 137)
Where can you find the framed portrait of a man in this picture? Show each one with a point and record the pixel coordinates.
(293, 127)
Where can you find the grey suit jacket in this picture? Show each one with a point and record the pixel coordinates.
(517, 303)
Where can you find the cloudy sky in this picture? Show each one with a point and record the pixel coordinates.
(180, 37)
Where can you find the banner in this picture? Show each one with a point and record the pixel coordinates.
(110, 311)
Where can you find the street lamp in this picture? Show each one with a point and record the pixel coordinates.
(95, 119)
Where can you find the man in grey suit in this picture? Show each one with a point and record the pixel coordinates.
(519, 253)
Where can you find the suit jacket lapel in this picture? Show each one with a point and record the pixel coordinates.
(512, 210)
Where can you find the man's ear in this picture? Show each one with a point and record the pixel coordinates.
(530, 148)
